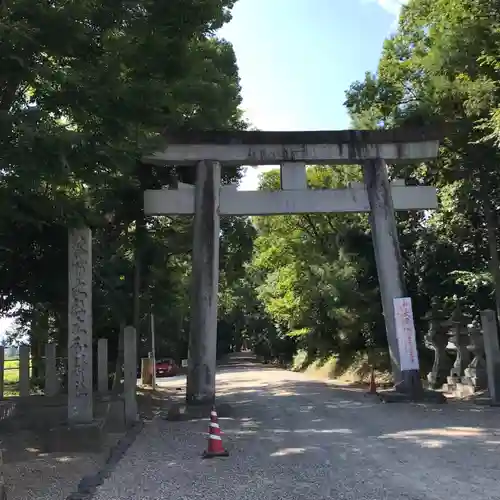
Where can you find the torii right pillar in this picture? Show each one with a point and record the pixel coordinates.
(390, 272)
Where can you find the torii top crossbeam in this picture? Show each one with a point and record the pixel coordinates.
(235, 148)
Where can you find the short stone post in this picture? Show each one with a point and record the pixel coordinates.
(24, 370)
(130, 374)
(51, 380)
(492, 352)
(102, 366)
(2, 370)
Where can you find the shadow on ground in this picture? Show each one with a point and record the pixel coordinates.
(293, 437)
(278, 418)
(455, 426)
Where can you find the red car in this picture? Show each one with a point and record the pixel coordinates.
(166, 367)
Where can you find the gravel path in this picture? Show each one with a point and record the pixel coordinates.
(30, 474)
(296, 438)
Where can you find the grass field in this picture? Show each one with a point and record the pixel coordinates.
(11, 377)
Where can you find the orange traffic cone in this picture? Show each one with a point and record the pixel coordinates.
(373, 386)
(215, 448)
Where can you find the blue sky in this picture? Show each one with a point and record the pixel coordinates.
(297, 58)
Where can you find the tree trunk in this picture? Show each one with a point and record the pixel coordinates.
(136, 315)
(140, 237)
(491, 228)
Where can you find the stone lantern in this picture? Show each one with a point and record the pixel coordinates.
(459, 338)
(475, 375)
(436, 339)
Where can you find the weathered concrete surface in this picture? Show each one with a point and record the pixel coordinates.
(293, 176)
(277, 137)
(80, 400)
(234, 202)
(319, 154)
(296, 438)
(51, 375)
(492, 352)
(130, 374)
(80, 437)
(389, 265)
(204, 286)
(24, 370)
(318, 147)
(102, 366)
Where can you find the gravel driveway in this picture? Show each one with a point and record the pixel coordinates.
(296, 438)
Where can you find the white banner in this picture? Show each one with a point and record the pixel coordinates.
(184, 363)
(405, 332)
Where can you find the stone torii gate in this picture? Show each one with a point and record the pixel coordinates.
(207, 200)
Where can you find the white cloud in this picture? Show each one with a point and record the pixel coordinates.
(391, 6)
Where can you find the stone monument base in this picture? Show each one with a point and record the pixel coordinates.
(459, 390)
(485, 401)
(112, 411)
(424, 396)
(410, 391)
(74, 438)
(183, 411)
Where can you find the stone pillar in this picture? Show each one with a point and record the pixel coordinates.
(389, 262)
(24, 370)
(475, 374)
(205, 282)
(492, 352)
(2, 370)
(459, 337)
(130, 374)
(437, 340)
(293, 175)
(51, 380)
(80, 410)
(102, 366)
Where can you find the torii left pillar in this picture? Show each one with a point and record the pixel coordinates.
(205, 283)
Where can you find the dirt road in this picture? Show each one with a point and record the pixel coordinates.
(295, 438)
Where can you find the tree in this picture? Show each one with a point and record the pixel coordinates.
(75, 120)
(437, 71)
(316, 276)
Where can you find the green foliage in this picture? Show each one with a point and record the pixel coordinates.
(76, 117)
(316, 274)
(440, 69)
(312, 272)
(86, 89)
